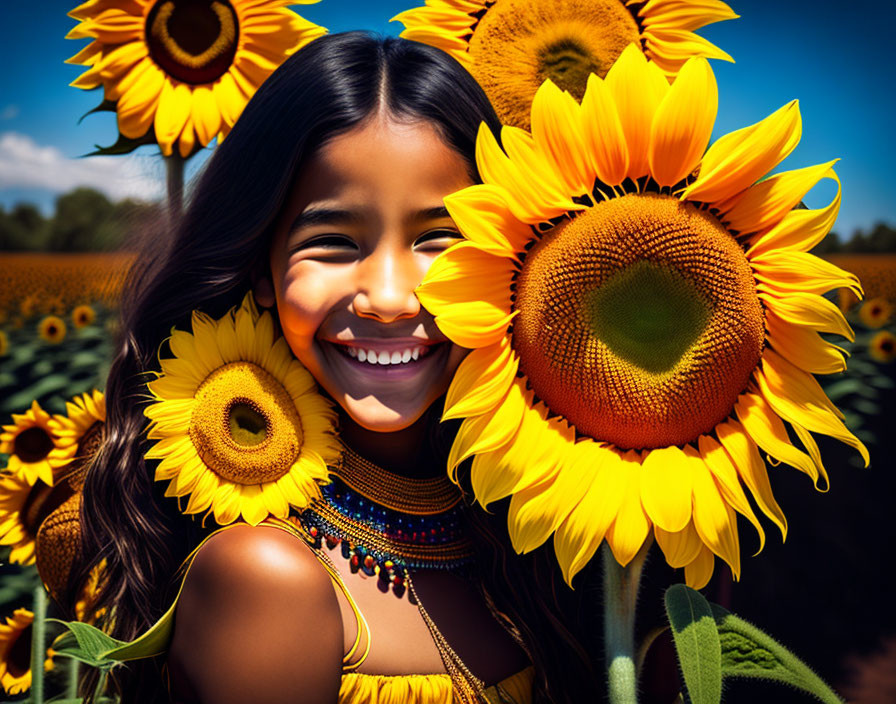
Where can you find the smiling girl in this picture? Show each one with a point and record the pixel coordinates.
(326, 200)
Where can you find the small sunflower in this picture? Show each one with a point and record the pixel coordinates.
(78, 433)
(512, 46)
(183, 68)
(883, 346)
(29, 442)
(876, 312)
(240, 425)
(24, 508)
(52, 329)
(83, 315)
(639, 333)
(15, 652)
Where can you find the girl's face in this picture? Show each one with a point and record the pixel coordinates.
(362, 226)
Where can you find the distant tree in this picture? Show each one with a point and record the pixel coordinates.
(83, 222)
(23, 228)
(831, 244)
(882, 238)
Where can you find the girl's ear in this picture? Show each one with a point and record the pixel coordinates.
(264, 292)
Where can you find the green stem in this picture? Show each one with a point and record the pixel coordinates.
(38, 645)
(174, 170)
(74, 671)
(620, 600)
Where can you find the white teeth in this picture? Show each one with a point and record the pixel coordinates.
(387, 358)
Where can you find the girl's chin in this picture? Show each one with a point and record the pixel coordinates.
(372, 414)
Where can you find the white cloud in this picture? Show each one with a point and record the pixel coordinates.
(9, 112)
(26, 164)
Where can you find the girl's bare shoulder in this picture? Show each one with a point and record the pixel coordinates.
(257, 620)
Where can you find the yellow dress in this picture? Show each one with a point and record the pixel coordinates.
(356, 687)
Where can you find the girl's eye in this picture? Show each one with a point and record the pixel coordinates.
(326, 242)
(442, 236)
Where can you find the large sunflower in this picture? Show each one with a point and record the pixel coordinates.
(240, 425)
(639, 333)
(29, 441)
(15, 652)
(512, 46)
(185, 68)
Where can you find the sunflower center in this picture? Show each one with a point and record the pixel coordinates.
(567, 63)
(193, 40)
(639, 321)
(648, 314)
(18, 659)
(247, 426)
(32, 445)
(517, 44)
(41, 501)
(244, 425)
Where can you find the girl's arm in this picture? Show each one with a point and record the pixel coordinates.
(257, 621)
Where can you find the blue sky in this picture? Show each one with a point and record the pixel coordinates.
(832, 56)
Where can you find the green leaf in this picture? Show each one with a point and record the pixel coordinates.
(696, 642)
(748, 652)
(86, 643)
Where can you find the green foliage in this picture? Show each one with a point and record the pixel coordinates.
(713, 643)
(696, 642)
(748, 652)
(881, 238)
(85, 220)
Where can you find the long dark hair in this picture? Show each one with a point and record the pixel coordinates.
(207, 263)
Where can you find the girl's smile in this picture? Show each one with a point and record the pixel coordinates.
(364, 222)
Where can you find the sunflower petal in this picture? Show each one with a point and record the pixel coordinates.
(784, 272)
(489, 432)
(680, 548)
(666, 488)
(629, 530)
(583, 530)
(799, 230)
(638, 87)
(765, 204)
(739, 159)
(557, 130)
(768, 431)
(804, 347)
(682, 124)
(603, 135)
(482, 214)
(714, 519)
(537, 510)
(798, 398)
(724, 472)
(481, 380)
(698, 573)
(744, 454)
(530, 200)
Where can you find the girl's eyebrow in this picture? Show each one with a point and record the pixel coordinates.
(325, 216)
(435, 213)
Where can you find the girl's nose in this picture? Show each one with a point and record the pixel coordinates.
(386, 283)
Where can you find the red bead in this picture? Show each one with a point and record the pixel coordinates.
(369, 561)
(354, 561)
(313, 531)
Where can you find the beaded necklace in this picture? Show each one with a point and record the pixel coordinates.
(386, 524)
